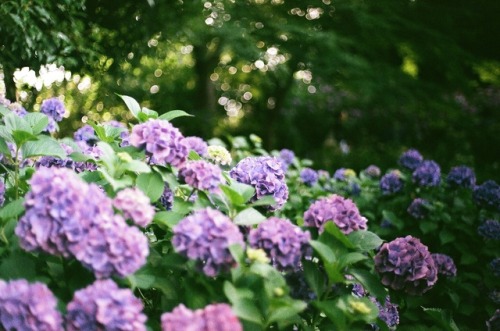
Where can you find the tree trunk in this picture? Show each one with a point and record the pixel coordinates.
(10, 86)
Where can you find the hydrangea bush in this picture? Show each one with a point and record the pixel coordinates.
(145, 229)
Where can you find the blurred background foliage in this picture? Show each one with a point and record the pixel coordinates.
(346, 83)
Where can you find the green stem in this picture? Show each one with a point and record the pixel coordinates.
(16, 173)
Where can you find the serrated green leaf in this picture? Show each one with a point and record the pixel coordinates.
(151, 184)
(168, 116)
(168, 219)
(323, 250)
(12, 209)
(333, 229)
(44, 146)
(21, 137)
(14, 122)
(249, 217)
(233, 196)
(37, 121)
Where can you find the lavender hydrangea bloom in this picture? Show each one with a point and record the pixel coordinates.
(135, 206)
(4, 101)
(339, 174)
(18, 109)
(28, 307)
(495, 266)
(388, 312)
(163, 142)
(445, 265)
(461, 176)
(490, 229)
(487, 194)
(167, 198)
(53, 108)
(286, 158)
(265, 174)
(104, 306)
(391, 183)
(284, 242)
(215, 317)
(201, 175)
(205, 236)
(372, 171)
(2, 193)
(308, 176)
(411, 159)
(406, 264)
(343, 212)
(428, 173)
(418, 208)
(86, 133)
(196, 144)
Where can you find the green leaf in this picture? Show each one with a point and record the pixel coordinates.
(4, 111)
(137, 166)
(246, 191)
(365, 240)
(332, 311)
(443, 318)
(446, 237)
(4, 149)
(132, 105)
(44, 146)
(248, 217)
(12, 209)
(193, 156)
(427, 226)
(18, 265)
(267, 200)
(234, 294)
(247, 310)
(146, 114)
(151, 184)
(37, 121)
(6, 134)
(14, 122)
(167, 218)
(233, 196)
(287, 312)
(391, 217)
(351, 258)
(168, 116)
(21, 137)
(323, 250)
(237, 252)
(370, 282)
(314, 277)
(333, 229)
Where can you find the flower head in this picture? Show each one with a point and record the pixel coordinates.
(428, 173)
(372, 171)
(343, 212)
(411, 159)
(53, 108)
(286, 158)
(406, 264)
(490, 229)
(87, 134)
(388, 312)
(104, 306)
(167, 198)
(391, 183)
(219, 155)
(344, 174)
(197, 144)
(215, 317)
(487, 194)
(461, 176)
(418, 208)
(2, 193)
(205, 236)
(284, 242)
(445, 265)
(163, 142)
(265, 174)
(18, 109)
(135, 206)
(308, 176)
(201, 175)
(29, 307)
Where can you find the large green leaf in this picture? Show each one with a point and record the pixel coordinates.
(132, 105)
(248, 217)
(151, 184)
(44, 146)
(365, 240)
(37, 121)
(168, 116)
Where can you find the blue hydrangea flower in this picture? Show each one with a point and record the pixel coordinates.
(201, 175)
(104, 306)
(163, 143)
(308, 176)
(343, 212)
(445, 265)
(388, 312)
(391, 183)
(53, 108)
(28, 307)
(372, 171)
(490, 229)
(428, 173)
(197, 144)
(265, 174)
(411, 159)
(418, 208)
(214, 317)
(487, 194)
(286, 158)
(406, 264)
(135, 206)
(461, 176)
(205, 236)
(18, 109)
(167, 198)
(87, 134)
(284, 242)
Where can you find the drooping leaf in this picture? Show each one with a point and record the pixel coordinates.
(168, 116)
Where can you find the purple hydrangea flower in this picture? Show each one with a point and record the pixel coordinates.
(2, 193)
(196, 144)
(284, 242)
(493, 324)
(495, 266)
(406, 264)
(339, 174)
(388, 312)
(461, 176)
(167, 198)
(104, 306)
(18, 109)
(286, 158)
(343, 212)
(391, 183)
(323, 174)
(53, 108)
(487, 194)
(418, 208)
(28, 307)
(411, 159)
(205, 236)
(163, 142)
(201, 175)
(445, 265)
(490, 229)
(265, 174)
(135, 206)
(215, 317)
(4, 101)
(308, 176)
(87, 134)
(428, 173)
(372, 171)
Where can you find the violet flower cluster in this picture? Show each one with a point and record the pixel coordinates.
(2, 193)
(67, 162)
(418, 208)
(411, 159)
(135, 206)
(197, 144)
(372, 171)
(490, 229)
(487, 194)
(201, 175)
(308, 176)
(28, 307)
(87, 134)
(167, 198)
(444, 264)
(284, 242)
(391, 183)
(265, 174)
(163, 143)
(406, 264)
(53, 108)
(343, 212)
(286, 158)
(388, 312)
(67, 217)
(428, 173)
(461, 176)
(205, 236)
(214, 317)
(104, 306)
(495, 266)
